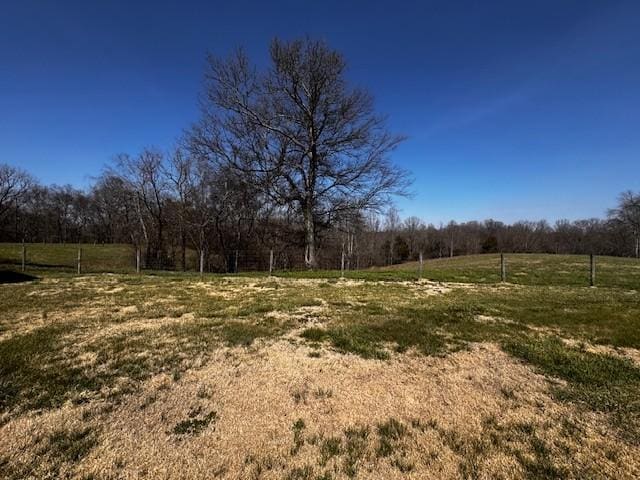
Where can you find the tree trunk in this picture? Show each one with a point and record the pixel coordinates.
(183, 248)
(160, 247)
(310, 259)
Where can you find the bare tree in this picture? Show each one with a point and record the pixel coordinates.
(451, 231)
(392, 225)
(301, 133)
(146, 179)
(627, 213)
(413, 226)
(114, 215)
(14, 183)
(179, 173)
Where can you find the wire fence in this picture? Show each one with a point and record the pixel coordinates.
(120, 258)
(532, 269)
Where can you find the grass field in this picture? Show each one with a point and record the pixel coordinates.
(63, 257)
(522, 269)
(307, 376)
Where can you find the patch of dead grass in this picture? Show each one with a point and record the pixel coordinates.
(449, 407)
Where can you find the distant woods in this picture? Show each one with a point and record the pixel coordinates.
(171, 206)
(289, 159)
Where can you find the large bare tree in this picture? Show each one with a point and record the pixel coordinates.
(627, 213)
(301, 133)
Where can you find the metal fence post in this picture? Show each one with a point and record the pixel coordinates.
(421, 265)
(137, 259)
(503, 269)
(270, 262)
(79, 260)
(592, 270)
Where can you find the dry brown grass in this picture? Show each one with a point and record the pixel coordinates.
(286, 408)
(258, 394)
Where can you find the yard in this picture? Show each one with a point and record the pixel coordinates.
(309, 376)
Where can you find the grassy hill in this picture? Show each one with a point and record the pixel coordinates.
(531, 269)
(63, 257)
(522, 269)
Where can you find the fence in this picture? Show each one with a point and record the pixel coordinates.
(120, 258)
(533, 269)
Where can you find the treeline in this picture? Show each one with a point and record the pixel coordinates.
(174, 208)
(290, 159)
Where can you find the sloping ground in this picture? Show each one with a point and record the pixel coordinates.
(64, 257)
(111, 376)
(529, 269)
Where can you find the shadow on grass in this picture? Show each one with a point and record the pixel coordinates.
(9, 276)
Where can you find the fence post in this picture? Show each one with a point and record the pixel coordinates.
(592, 270)
(235, 269)
(421, 266)
(201, 262)
(503, 269)
(24, 256)
(270, 262)
(137, 259)
(79, 260)
(342, 264)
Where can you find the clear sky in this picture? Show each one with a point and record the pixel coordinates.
(513, 109)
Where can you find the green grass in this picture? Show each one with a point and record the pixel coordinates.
(367, 338)
(530, 269)
(330, 447)
(64, 257)
(35, 372)
(522, 269)
(390, 433)
(195, 423)
(598, 382)
(38, 368)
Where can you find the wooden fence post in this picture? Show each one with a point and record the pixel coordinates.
(592, 270)
(270, 262)
(421, 266)
(503, 269)
(24, 256)
(79, 260)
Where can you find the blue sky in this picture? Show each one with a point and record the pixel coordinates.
(514, 110)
